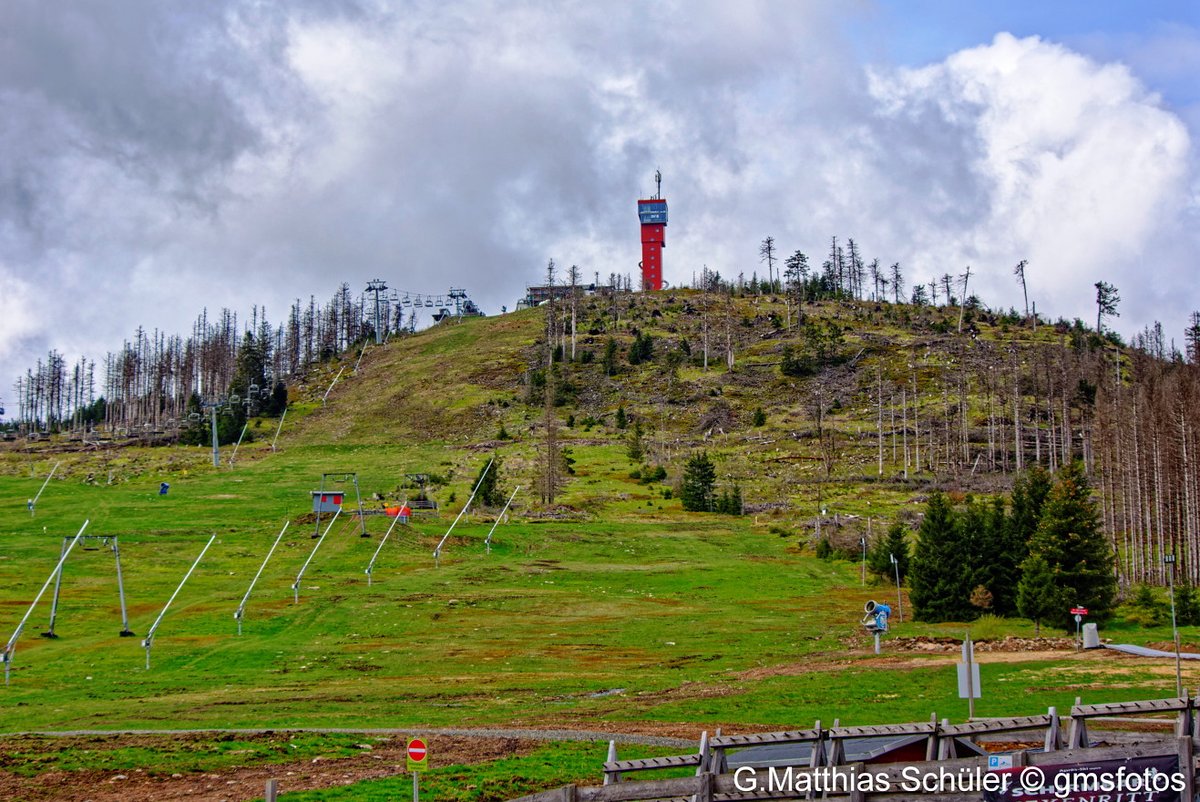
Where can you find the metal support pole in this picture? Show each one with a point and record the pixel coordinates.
(278, 429)
(242, 607)
(148, 643)
(375, 556)
(335, 378)
(876, 643)
(362, 521)
(238, 444)
(969, 658)
(416, 789)
(863, 542)
(33, 502)
(1170, 562)
(126, 632)
(216, 449)
(437, 553)
(49, 633)
(488, 542)
(10, 647)
(320, 500)
(899, 598)
(299, 576)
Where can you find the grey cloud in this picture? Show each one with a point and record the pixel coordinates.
(159, 157)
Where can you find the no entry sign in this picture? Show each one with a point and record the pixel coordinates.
(418, 755)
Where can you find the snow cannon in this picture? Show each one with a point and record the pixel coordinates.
(876, 616)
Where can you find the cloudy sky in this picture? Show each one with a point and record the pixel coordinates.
(160, 156)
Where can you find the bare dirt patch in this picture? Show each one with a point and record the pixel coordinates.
(383, 758)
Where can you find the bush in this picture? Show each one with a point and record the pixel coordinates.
(1146, 609)
(989, 627)
(1187, 607)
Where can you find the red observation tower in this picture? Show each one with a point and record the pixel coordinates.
(653, 214)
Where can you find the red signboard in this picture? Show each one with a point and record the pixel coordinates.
(1140, 779)
(1079, 611)
(418, 755)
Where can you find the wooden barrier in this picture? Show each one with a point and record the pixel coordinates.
(712, 787)
(827, 752)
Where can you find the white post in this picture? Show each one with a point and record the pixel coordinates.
(1169, 559)
(242, 607)
(10, 647)
(488, 543)
(34, 502)
(375, 556)
(899, 598)
(437, 553)
(969, 658)
(278, 429)
(216, 449)
(148, 643)
(299, 576)
(238, 444)
(335, 378)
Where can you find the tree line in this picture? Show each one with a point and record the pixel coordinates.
(1037, 553)
(152, 381)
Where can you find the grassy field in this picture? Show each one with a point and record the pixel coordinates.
(614, 610)
(702, 620)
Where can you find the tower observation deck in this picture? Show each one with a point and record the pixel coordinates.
(653, 215)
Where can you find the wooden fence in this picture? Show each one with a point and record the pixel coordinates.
(713, 781)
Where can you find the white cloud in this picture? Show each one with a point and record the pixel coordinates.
(255, 156)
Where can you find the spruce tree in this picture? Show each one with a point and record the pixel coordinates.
(1028, 495)
(879, 559)
(1069, 539)
(1039, 596)
(696, 486)
(998, 555)
(939, 577)
(489, 493)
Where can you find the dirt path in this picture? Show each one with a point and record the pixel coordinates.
(381, 755)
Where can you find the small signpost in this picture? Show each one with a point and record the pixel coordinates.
(968, 677)
(1079, 612)
(418, 761)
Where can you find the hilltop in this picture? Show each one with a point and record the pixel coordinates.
(877, 403)
(610, 608)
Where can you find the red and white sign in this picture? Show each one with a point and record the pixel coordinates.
(1079, 611)
(418, 755)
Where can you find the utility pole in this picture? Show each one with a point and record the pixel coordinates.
(1169, 561)
(377, 286)
(899, 598)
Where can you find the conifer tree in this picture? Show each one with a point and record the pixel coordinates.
(997, 556)
(489, 493)
(1070, 540)
(1028, 495)
(941, 587)
(1039, 596)
(894, 543)
(696, 486)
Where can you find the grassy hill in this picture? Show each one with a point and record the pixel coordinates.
(612, 608)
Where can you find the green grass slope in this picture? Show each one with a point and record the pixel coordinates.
(612, 608)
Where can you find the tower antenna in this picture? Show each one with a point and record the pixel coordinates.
(657, 184)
